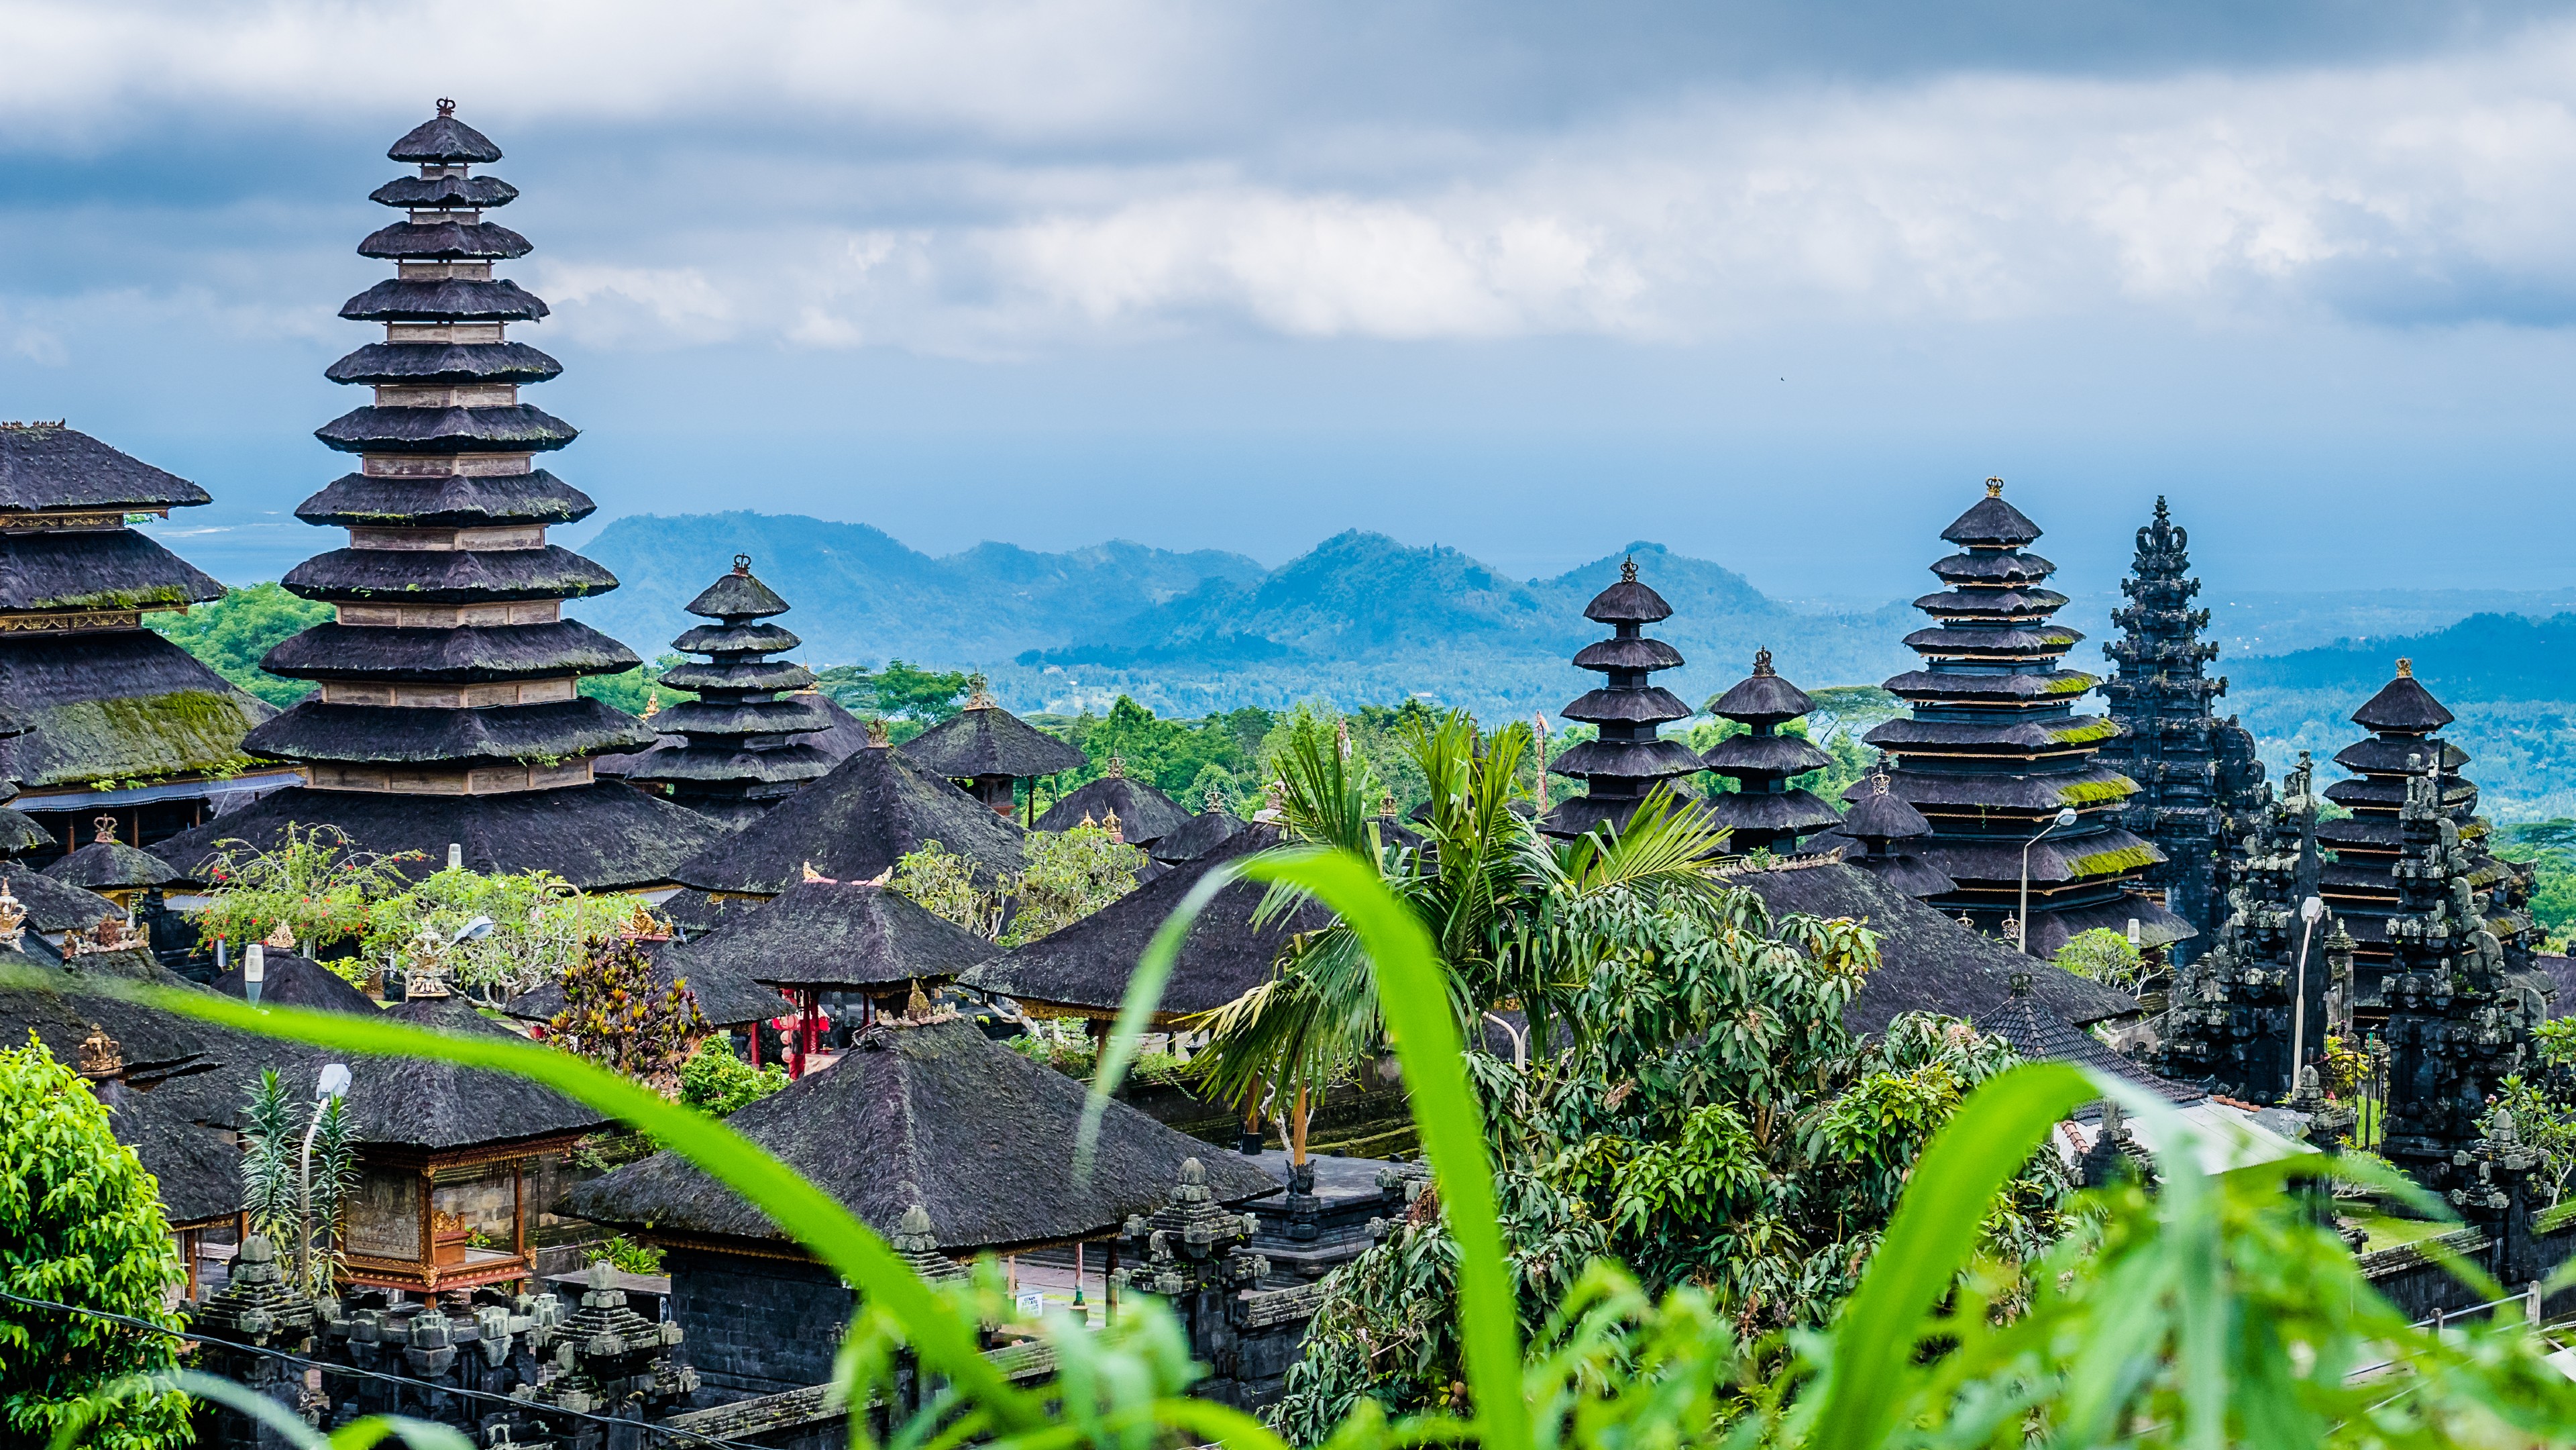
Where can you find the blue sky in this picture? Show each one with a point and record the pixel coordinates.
(1774, 283)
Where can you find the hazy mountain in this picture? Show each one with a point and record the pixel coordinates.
(861, 595)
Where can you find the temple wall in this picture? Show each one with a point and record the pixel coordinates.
(753, 1326)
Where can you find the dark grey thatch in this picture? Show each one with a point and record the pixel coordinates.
(444, 362)
(448, 576)
(63, 1003)
(50, 467)
(447, 299)
(934, 1114)
(836, 936)
(199, 1173)
(443, 138)
(444, 241)
(287, 980)
(1203, 833)
(985, 739)
(515, 426)
(1145, 815)
(55, 906)
(852, 825)
(119, 569)
(469, 501)
(330, 651)
(400, 1102)
(445, 193)
(601, 837)
(108, 863)
(2561, 973)
(19, 832)
(1084, 968)
(402, 735)
(2039, 1034)
(2403, 705)
(1928, 962)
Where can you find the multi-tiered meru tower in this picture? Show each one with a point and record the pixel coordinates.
(1994, 749)
(1628, 759)
(112, 718)
(448, 711)
(2198, 776)
(1765, 812)
(741, 749)
(2404, 758)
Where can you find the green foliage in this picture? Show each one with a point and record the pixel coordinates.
(2104, 956)
(273, 1186)
(635, 689)
(231, 635)
(1067, 875)
(619, 1014)
(80, 1224)
(634, 1258)
(898, 691)
(2545, 1120)
(2549, 849)
(542, 927)
(317, 883)
(1183, 759)
(715, 1080)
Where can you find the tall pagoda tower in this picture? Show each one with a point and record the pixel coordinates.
(2404, 757)
(741, 751)
(2198, 776)
(449, 710)
(111, 717)
(1764, 812)
(2236, 1008)
(1628, 759)
(1994, 750)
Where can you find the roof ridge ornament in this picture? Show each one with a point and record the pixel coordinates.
(742, 565)
(446, 108)
(13, 919)
(1762, 662)
(2405, 668)
(1628, 570)
(1118, 767)
(1994, 487)
(105, 826)
(979, 692)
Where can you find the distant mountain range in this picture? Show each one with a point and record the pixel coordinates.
(1361, 618)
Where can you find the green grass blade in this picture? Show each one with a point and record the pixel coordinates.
(1931, 1237)
(1414, 997)
(812, 1217)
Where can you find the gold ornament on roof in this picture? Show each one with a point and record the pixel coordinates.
(979, 693)
(2405, 668)
(1118, 767)
(742, 565)
(105, 826)
(1762, 662)
(282, 939)
(1628, 570)
(1994, 488)
(13, 919)
(100, 1055)
(1116, 831)
(878, 736)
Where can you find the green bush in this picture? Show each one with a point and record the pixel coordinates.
(716, 1081)
(80, 1224)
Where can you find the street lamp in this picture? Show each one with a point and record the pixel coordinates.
(254, 971)
(2309, 911)
(334, 1084)
(2065, 817)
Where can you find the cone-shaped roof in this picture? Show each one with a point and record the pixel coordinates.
(55, 906)
(1203, 834)
(837, 936)
(737, 596)
(985, 739)
(1992, 523)
(2403, 706)
(1628, 601)
(19, 832)
(49, 466)
(1083, 968)
(288, 980)
(852, 825)
(1878, 812)
(107, 863)
(1762, 696)
(444, 138)
(934, 1115)
(1145, 815)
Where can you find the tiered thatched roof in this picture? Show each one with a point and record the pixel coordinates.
(852, 825)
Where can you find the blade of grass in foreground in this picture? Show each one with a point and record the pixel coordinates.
(815, 1219)
(1930, 1239)
(1415, 1002)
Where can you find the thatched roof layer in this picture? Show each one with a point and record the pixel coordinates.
(599, 837)
(1145, 815)
(989, 740)
(836, 936)
(115, 569)
(2403, 706)
(448, 576)
(463, 501)
(380, 734)
(444, 241)
(516, 427)
(445, 193)
(444, 138)
(118, 705)
(1929, 963)
(53, 905)
(935, 1115)
(444, 362)
(446, 299)
(288, 980)
(199, 1173)
(64, 468)
(1085, 967)
(852, 825)
(109, 864)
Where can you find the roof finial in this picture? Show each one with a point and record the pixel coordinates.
(2019, 982)
(2405, 668)
(106, 826)
(446, 108)
(2161, 514)
(1386, 806)
(1118, 767)
(1878, 782)
(1628, 570)
(742, 565)
(879, 737)
(979, 692)
(1994, 488)
(1761, 662)
(1215, 798)
(652, 701)
(1117, 832)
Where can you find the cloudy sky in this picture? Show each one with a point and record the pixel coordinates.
(1773, 283)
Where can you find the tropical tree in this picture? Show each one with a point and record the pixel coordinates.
(2105, 956)
(715, 1080)
(495, 935)
(1066, 875)
(80, 1225)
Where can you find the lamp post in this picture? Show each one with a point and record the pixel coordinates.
(2309, 911)
(2065, 817)
(334, 1083)
(254, 971)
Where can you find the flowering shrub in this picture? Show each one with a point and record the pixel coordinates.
(316, 883)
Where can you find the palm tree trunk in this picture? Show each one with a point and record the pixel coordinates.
(1297, 1130)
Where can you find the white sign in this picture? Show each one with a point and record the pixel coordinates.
(1032, 1305)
